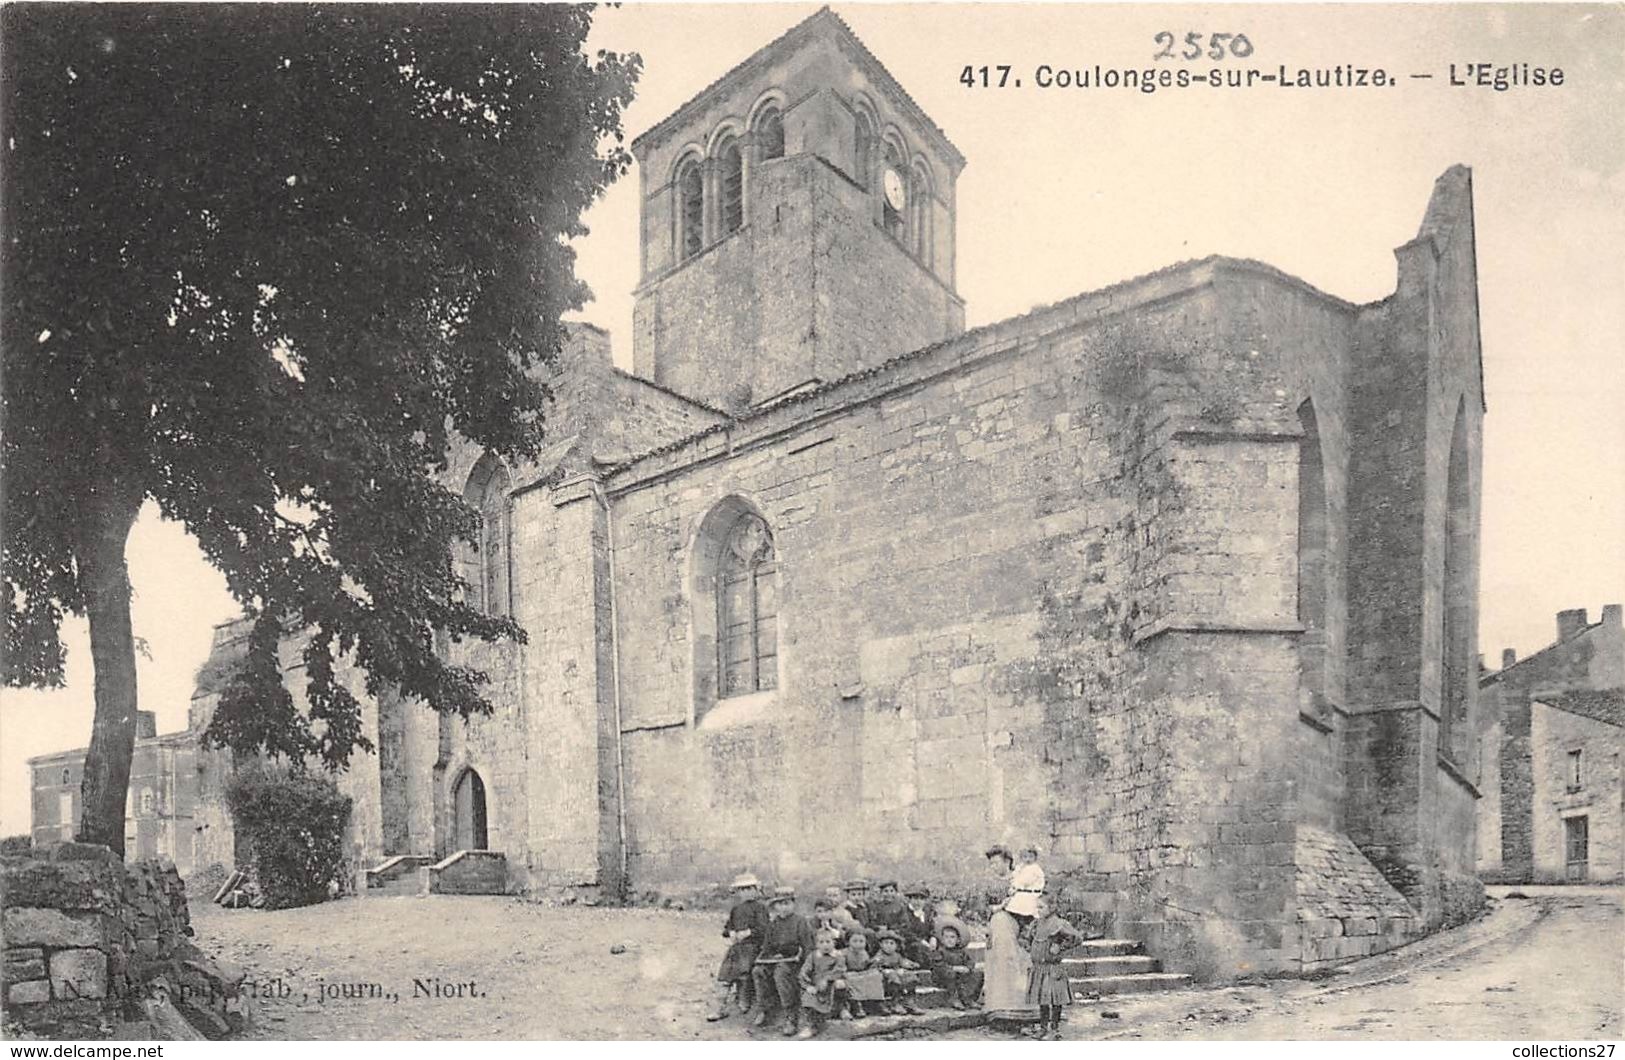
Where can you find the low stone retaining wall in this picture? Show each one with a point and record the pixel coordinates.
(91, 944)
(470, 872)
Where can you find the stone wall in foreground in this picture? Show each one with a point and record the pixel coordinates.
(92, 946)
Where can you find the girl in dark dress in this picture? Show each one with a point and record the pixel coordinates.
(747, 923)
(1051, 987)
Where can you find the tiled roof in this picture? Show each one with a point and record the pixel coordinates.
(792, 37)
(1604, 705)
(1059, 309)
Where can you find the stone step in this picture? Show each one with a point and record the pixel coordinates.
(1137, 964)
(1144, 983)
(411, 883)
(1090, 949)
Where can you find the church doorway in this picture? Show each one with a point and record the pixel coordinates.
(468, 809)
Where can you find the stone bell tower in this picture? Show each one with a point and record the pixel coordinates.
(797, 225)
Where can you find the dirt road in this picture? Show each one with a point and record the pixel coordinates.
(1543, 968)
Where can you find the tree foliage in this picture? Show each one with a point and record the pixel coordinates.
(262, 263)
(291, 824)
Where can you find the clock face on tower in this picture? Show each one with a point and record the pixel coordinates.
(894, 189)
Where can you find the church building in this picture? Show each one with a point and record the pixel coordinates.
(1175, 580)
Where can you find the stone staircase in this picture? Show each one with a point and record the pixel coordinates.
(403, 874)
(1106, 967)
(465, 872)
(1118, 966)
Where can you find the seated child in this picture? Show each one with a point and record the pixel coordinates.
(865, 984)
(824, 919)
(892, 963)
(955, 971)
(747, 921)
(823, 988)
(786, 940)
(919, 929)
(1050, 988)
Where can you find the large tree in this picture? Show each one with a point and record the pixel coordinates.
(261, 265)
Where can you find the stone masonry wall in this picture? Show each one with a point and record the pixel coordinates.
(1599, 797)
(89, 940)
(1592, 658)
(1416, 372)
(985, 581)
(829, 293)
(1345, 908)
(873, 298)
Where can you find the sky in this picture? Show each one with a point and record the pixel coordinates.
(1068, 190)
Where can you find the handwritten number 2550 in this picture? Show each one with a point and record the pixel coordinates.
(1219, 45)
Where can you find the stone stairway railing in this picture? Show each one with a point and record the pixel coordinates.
(401, 874)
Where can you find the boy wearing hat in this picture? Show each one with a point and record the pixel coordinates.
(857, 901)
(892, 965)
(889, 911)
(955, 970)
(746, 925)
(787, 939)
(919, 928)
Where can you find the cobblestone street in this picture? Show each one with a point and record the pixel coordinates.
(1546, 967)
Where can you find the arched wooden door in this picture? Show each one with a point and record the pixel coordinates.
(468, 802)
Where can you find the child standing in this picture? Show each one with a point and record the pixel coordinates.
(1051, 989)
(747, 923)
(892, 965)
(822, 985)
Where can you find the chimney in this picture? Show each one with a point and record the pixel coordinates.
(1508, 657)
(146, 724)
(1571, 622)
(1611, 615)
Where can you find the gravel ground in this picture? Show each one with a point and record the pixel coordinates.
(537, 972)
(1542, 968)
(1546, 968)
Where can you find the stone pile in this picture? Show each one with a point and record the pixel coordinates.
(93, 947)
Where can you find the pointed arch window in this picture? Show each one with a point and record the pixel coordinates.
(1458, 633)
(747, 609)
(770, 133)
(690, 210)
(1313, 565)
(732, 178)
(489, 573)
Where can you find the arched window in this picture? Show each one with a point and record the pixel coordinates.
(919, 205)
(690, 210)
(770, 134)
(747, 613)
(1458, 633)
(67, 776)
(489, 571)
(863, 149)
(731, 178)
(1312, 563)
(893, 219)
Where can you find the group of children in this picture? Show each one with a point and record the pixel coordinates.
(855, 956)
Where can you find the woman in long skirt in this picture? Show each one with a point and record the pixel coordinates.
(1007, 972)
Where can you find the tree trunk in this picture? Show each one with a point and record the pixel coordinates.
(105, 580)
